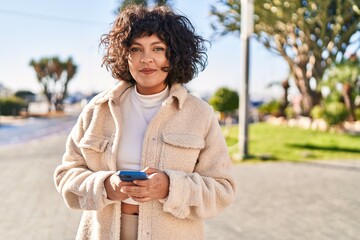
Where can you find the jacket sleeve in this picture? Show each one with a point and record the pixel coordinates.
(210, 188)
(80, 187)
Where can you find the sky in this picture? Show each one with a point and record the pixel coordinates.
(67, 28)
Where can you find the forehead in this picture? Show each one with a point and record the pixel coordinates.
(145, 40)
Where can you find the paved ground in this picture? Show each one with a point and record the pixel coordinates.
(275, 201)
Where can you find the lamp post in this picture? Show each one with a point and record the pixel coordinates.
(247, 28)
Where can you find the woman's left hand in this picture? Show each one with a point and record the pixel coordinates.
(156, 187)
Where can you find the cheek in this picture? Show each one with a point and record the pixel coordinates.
(166, 62)
(132, 67)
(162, 61)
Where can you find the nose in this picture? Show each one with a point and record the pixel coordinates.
(147, 58)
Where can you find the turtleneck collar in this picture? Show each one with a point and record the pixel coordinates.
(149, 101)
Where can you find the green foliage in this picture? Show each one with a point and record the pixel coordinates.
(28, 96)
(11, 106)
(334, 96)
(317, 112)
(270, 108)
(335, 113)
(344, 72)
(225, 100)
(124, 3)
(357, 113)
(310, 35)
(290, 112)
(343, 80)
(227, 21)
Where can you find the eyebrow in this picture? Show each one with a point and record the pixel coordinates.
(153, 43)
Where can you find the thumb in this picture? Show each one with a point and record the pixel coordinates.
(150, 170)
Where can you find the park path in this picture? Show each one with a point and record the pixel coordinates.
(275, 201)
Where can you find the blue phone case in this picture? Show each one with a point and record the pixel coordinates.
(129, 176)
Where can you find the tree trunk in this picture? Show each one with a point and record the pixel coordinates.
(285, 102)
(350, 106)
(310, 98)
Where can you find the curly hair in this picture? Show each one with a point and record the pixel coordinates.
(186, 51)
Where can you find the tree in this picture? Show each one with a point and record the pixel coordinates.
(54, 75)
(224, 100)
(310, 35)
(28, 96)
(346, 77)
(285, 85)
(125, 3)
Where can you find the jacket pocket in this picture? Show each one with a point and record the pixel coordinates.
(94, 150)
(181, 151)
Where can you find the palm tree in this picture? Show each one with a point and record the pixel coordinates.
(125, 3)
(345, 75)
(54, 75)
(309, 35)
(285, 85)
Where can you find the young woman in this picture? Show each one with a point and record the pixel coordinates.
(147, 122)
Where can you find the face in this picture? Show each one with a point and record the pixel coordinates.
(146, 59)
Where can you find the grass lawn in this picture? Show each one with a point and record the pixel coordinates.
(269, 142)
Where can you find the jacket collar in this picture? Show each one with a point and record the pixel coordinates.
(114, 93)
(177, 91)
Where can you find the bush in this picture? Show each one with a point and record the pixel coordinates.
(272, 108)
(357, 114)
(317, 112)
(335, 113)
(26, 95)
(290, 112)
(11, 105)
(225, 100)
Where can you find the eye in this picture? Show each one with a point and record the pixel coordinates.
(135, 49)
(159, 49)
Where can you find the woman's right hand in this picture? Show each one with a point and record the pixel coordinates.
(112, 187)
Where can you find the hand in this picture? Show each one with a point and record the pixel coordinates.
(156, 187)
(113, 185)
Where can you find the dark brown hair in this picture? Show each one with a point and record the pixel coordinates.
(186, 51)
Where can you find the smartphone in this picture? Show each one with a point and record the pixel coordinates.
(130, 175)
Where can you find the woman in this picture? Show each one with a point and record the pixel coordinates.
(147, 122)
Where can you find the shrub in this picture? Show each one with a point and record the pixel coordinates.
(335, 113)
(290, 112)
(272, 108)
(11, 105)
(357, 113)
(225, 100)
(317, 112)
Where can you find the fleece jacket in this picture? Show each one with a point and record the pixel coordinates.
(183, 139)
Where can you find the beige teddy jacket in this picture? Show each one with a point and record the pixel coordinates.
(184, 139)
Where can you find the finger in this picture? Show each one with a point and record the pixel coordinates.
(142, 183)
(132, 190)
(150, 170)
(126, 184)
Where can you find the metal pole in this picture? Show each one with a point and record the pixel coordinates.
(247, 8)
(244, 101)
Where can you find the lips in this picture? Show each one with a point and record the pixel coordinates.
(147, 70)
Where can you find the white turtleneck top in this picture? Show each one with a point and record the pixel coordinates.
(136, 112)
